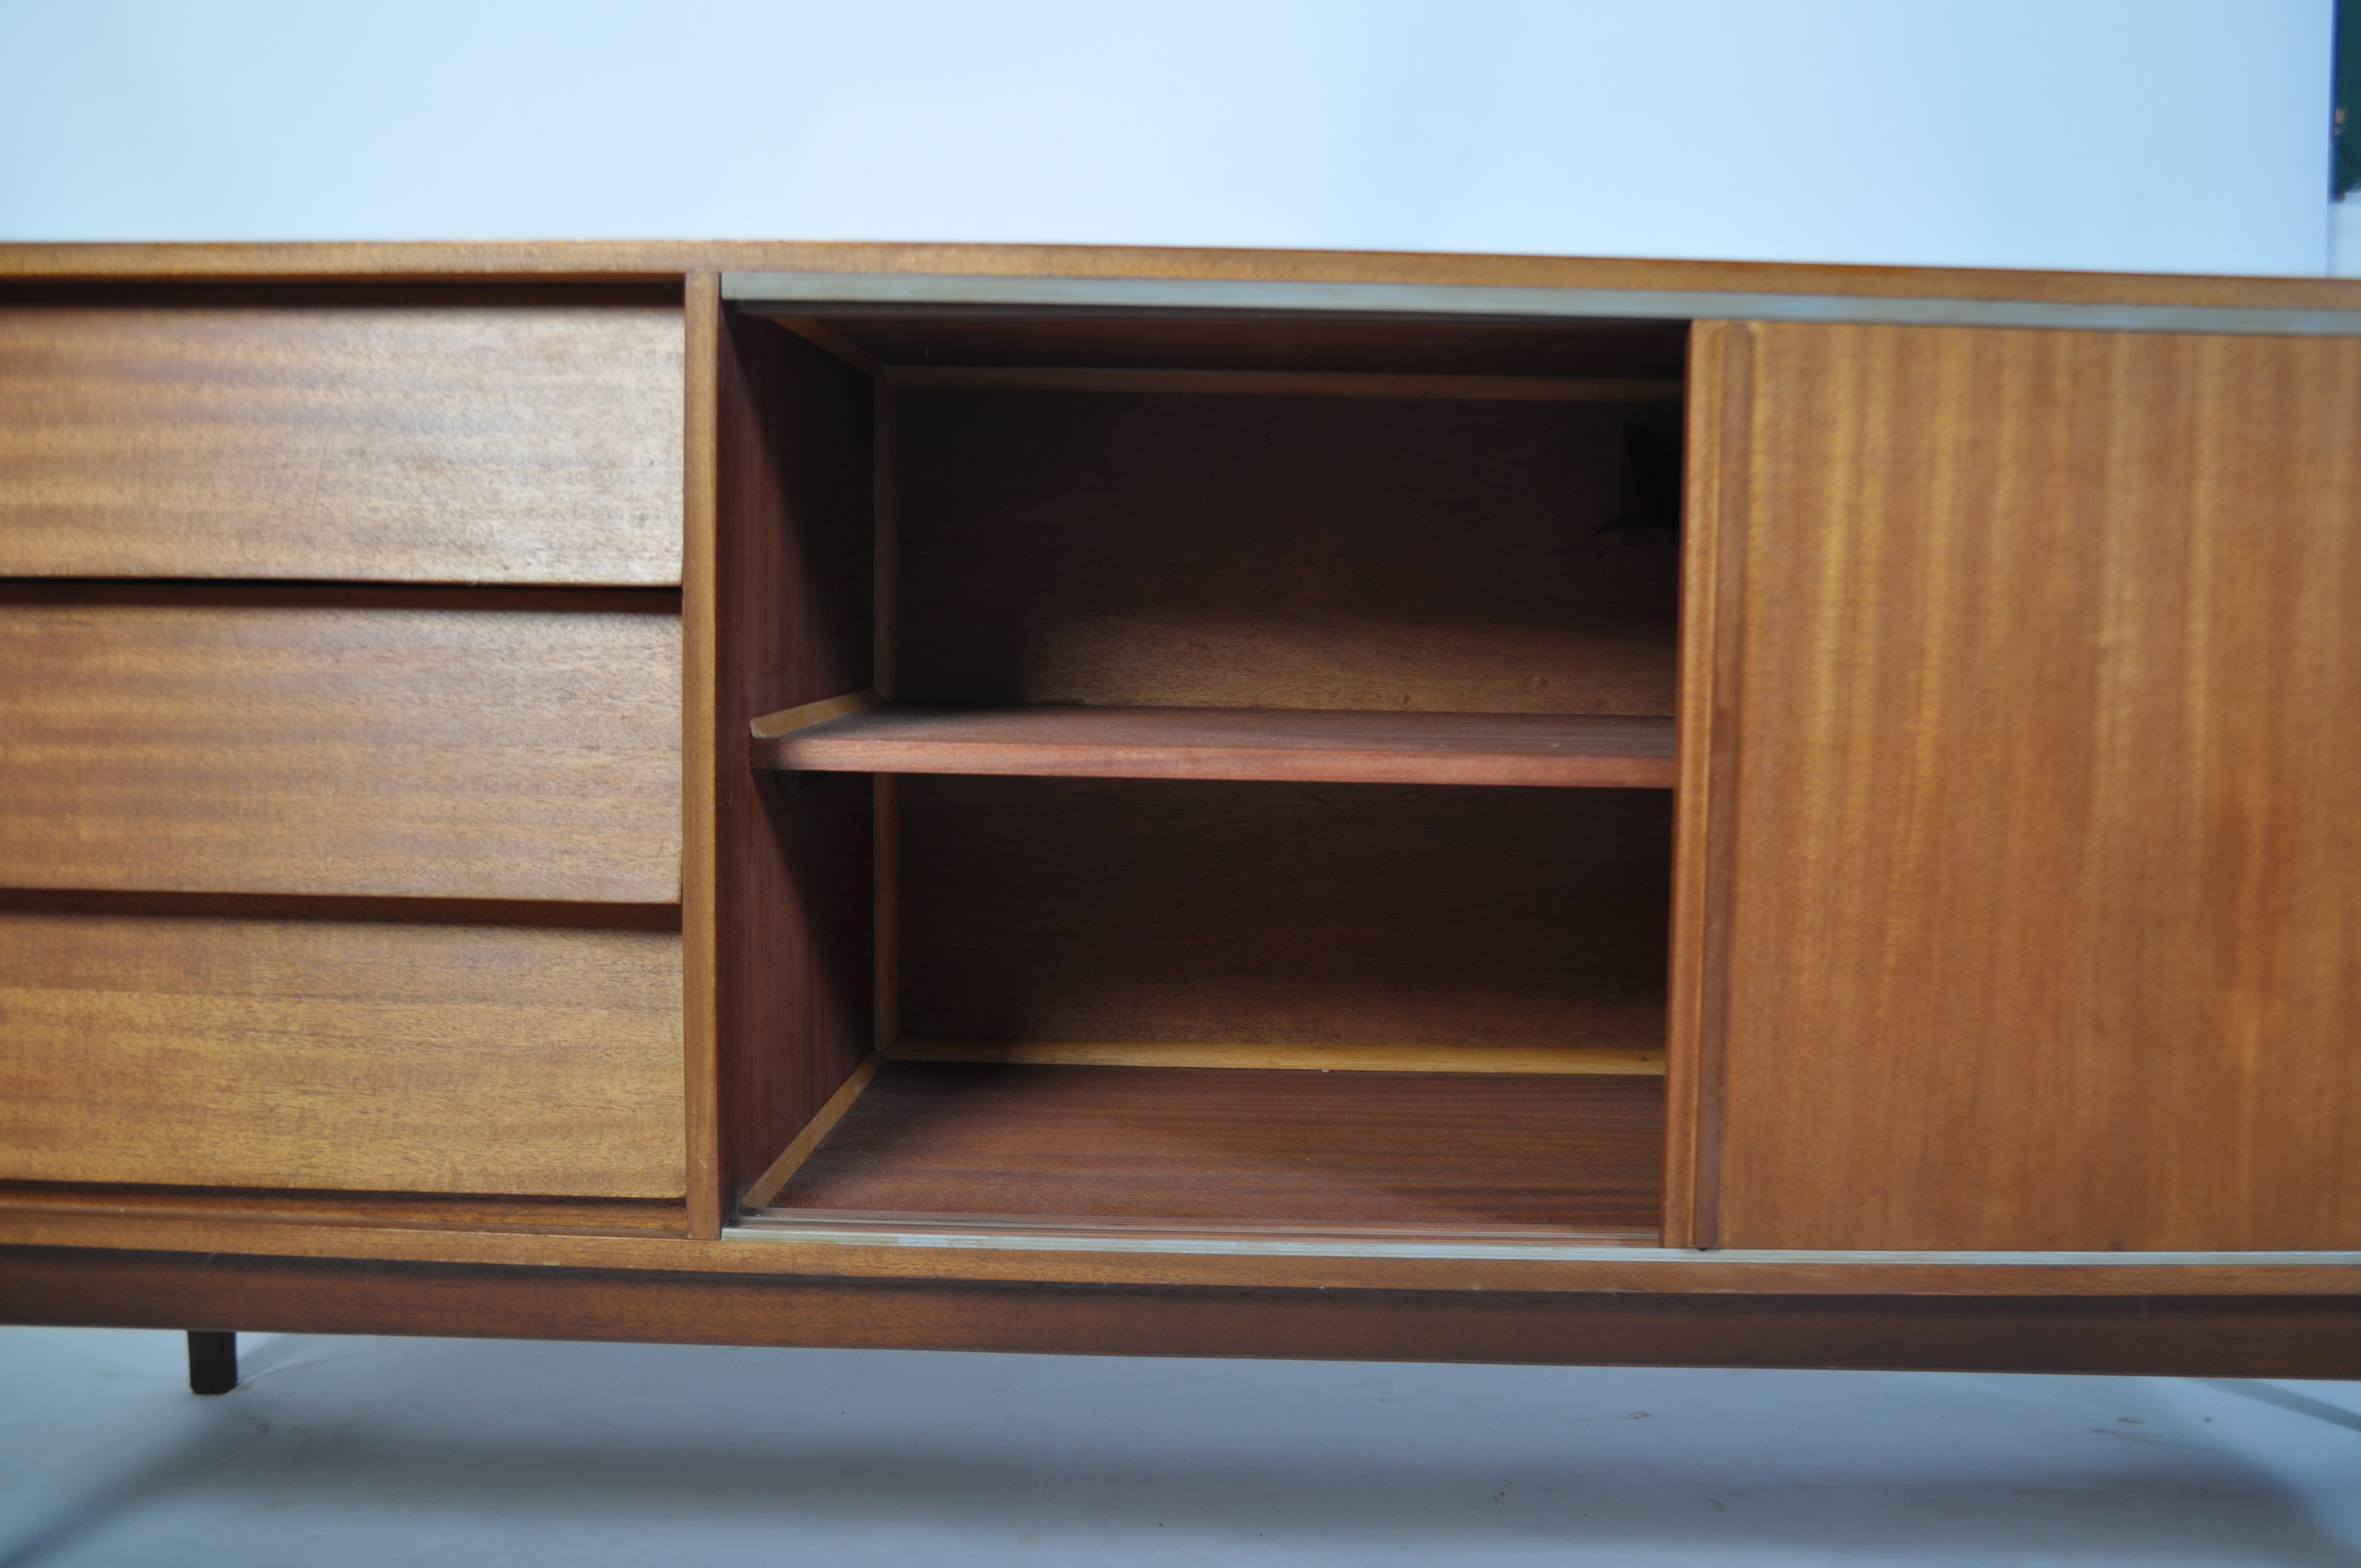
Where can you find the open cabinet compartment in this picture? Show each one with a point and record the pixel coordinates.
(1213, 772)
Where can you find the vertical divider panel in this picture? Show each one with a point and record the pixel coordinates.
(699, 760)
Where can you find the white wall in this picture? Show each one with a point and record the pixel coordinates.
(2167, 134)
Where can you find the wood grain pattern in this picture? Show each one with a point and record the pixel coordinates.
(665, 260)
(786, 721)
(700, 762)
(1713, 672)
(2141, 1076)
(2288, 1337)
(1528, 1059)
(1619, 751)
(242, 1206)
(824, 1120)
(1710, 522)
(2047, 886)
(795, 981)
(1341, 914)
(341, 742)
(368, 1054)
(1581, 1155)
(532, 437)
(1292, 553)
(818, 1249)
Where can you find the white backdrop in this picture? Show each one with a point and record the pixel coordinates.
(2152, 135)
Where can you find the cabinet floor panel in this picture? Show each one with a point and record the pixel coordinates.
(1448, 1151)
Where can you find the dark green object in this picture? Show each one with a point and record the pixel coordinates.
(2344, 159)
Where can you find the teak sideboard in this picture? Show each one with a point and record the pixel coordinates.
(1194, 803)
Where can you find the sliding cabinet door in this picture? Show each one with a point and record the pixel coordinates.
(2021, 861)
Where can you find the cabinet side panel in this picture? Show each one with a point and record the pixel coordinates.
(513, 436)
(318, 741)
(2046, 890)
(793, 893)
(379, 1054)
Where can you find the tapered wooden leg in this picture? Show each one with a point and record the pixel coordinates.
(212, 1362)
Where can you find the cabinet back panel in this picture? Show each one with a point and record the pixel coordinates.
(2046, 923)
(419, 435)
(1120, 910)
(1262, 551)
(341, 742)
(371, 1055)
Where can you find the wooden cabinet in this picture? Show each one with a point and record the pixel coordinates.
(1194, 803)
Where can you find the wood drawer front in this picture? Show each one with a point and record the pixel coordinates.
(358, 1055)
(515, 437)
(261, 741)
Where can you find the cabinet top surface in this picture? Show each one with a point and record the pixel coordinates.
(613, 260)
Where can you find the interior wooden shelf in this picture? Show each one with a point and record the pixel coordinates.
(1462, 1153)
(1233, 743)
